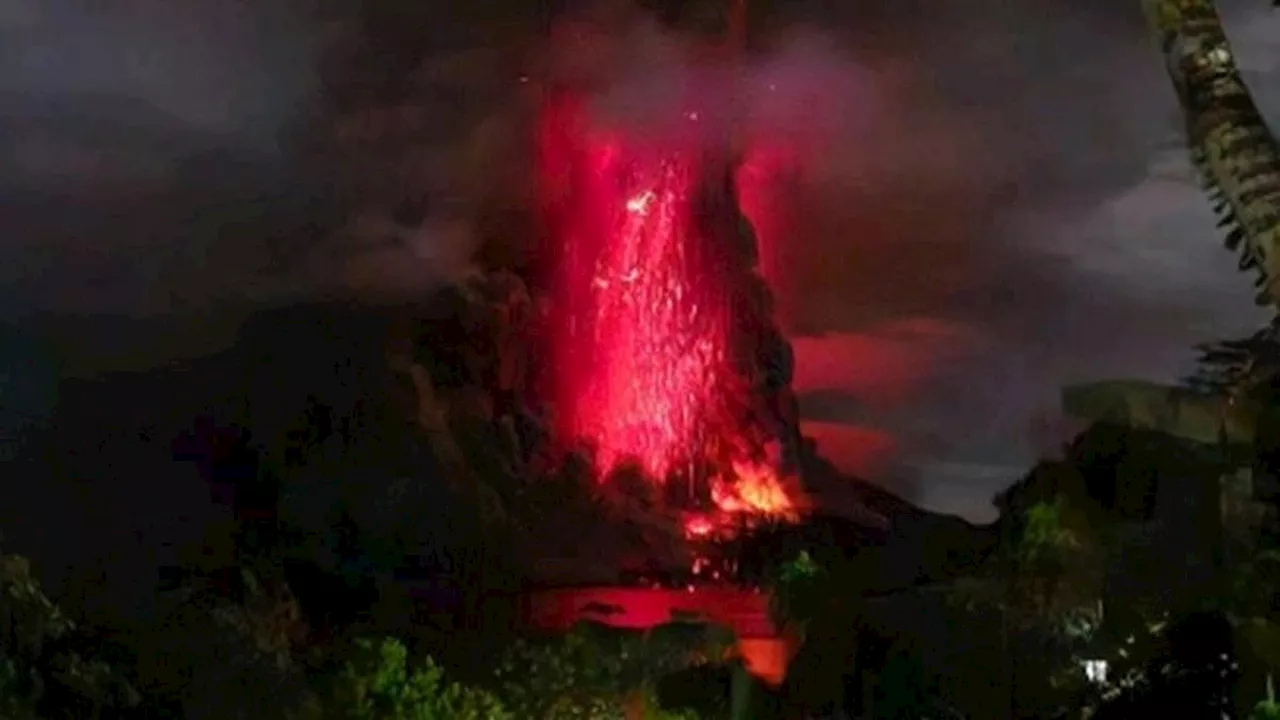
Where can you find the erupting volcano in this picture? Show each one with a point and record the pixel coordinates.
(647, 302)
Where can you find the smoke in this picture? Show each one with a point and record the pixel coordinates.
(135, 136)
(177, 158)
(168, 168)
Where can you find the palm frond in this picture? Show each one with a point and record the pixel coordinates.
(1247, 367)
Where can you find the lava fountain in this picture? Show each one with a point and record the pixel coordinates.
(644, 305)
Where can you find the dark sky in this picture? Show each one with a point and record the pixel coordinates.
(995, 201)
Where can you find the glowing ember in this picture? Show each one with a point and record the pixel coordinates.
(699, 526)
(753, 490)
(642, 311)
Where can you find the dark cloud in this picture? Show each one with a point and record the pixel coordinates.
(139, 141)
(194, 156)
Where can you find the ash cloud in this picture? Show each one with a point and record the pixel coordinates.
(171, 164)
(135, 136)
(189, 157)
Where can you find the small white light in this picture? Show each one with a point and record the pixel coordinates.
(1219, 56)
(639, 204)
(1096, 671)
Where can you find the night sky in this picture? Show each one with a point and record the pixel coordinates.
(995, 201)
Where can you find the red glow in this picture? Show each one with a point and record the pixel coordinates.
(699, 526)
(653, 345)
(642, 314)
(767, 172)
(767, 649)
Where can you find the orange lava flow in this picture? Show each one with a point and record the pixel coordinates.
(642, 314)
(754, 490)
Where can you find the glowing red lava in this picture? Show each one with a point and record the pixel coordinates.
(643, 309)
(640, 346)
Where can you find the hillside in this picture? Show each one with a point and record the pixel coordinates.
(316, 389)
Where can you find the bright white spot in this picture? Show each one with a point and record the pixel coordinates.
(639, 204)
(1096, 671)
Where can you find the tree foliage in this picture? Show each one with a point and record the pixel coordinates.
(1248, 367)
(798, 591)
(379, 683)
(226, 644)
(600, 673)
(1048, 572)
(42, 672)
